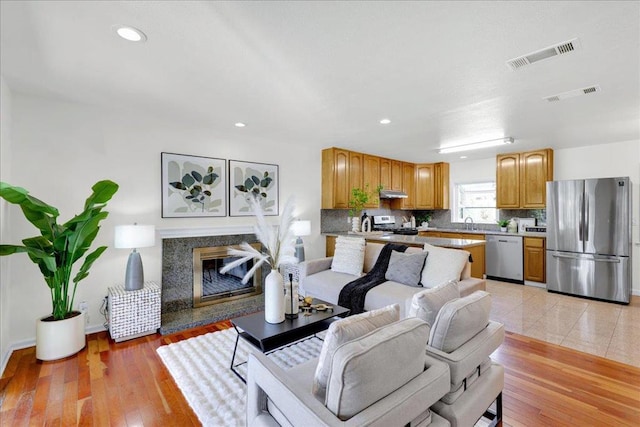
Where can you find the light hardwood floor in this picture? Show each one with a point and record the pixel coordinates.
(126, 384)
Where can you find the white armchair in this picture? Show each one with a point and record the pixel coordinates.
(383, 378)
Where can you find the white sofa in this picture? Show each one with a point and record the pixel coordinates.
(319, 281)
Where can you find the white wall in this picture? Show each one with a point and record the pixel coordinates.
(5, 171)
(597, 161)
(61, 149)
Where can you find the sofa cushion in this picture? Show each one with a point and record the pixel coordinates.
(443, 265)
(349, 255)
(460, 320)
(344, 330)
(426, 304)
(406, 268)
(371, 253)
(365, 370)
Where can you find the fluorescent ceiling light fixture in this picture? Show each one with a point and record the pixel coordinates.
(239, 125)
(385, 121)
(476, 145)
(131, 34)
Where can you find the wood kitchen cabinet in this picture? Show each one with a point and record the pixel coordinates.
(385, 173)
(534, 259)
(408, 186)
(371, 179)
(335, 179)
(521, 179)
(356, 170)
(396, 175)
(432, 186)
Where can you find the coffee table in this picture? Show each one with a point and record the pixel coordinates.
(268, 337)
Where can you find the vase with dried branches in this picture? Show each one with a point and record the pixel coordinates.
(278, 249)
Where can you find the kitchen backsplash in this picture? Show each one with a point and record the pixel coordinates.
(337, 220)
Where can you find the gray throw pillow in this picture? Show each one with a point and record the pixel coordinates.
(406, 268)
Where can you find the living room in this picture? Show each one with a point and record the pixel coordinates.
(79, 108)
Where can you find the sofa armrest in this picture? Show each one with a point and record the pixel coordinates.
(313, 266)
(267, 380)
(471, 354)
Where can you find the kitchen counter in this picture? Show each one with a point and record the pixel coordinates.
(415, 240)
(493, 232)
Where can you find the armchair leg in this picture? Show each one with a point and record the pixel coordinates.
(497, 417)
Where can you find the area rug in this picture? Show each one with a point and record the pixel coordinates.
(200, 367)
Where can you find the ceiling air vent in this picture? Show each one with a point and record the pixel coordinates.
(572, 93)
(547, 52)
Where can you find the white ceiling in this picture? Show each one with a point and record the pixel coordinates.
(324, 73)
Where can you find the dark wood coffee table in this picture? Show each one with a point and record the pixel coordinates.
(267, 337)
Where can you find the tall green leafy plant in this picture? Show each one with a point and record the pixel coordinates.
(59, 246)
(360, 197)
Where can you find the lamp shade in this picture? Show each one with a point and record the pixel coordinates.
(134, 236)
(301, 228)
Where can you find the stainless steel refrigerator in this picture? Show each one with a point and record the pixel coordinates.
(589, 238)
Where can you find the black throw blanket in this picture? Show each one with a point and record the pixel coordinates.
(353, 294)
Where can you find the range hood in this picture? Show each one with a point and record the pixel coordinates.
(392, 194)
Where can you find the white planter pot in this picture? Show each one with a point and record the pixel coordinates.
(59, 338)
(274, 297)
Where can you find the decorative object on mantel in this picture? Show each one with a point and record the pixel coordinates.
(193, 186)
(58, 247)
(134, 237)
(279, 250)
(359, 198)
(300, 228)
(249, 181)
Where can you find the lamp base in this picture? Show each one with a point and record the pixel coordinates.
(299, 249)
(134, 278)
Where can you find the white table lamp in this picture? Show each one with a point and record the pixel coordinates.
(300, 228)
(134, 237)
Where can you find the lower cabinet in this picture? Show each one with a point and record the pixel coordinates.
(331, 245)
(534, 259)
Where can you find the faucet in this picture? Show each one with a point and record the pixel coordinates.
(466, 225)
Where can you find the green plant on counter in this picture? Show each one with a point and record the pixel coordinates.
(422, 217)
(59, 246)
(360, 197)
(503, 222)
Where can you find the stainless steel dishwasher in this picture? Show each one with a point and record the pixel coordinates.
(504, 258)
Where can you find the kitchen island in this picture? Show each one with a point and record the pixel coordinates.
(474, 246)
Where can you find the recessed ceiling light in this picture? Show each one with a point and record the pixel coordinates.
(239, 125)
(131, 34)
(463, 157)
(385, 121)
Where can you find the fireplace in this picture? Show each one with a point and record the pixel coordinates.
(212, 287)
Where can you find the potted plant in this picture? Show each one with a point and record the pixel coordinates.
(55, 251)
(423, 219)
(359, 198)
(503, 224)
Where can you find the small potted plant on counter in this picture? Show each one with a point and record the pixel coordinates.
(503, 224)
(359, 198)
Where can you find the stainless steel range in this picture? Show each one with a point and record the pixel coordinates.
(388, 223)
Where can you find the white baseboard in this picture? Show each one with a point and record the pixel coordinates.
(31, 342)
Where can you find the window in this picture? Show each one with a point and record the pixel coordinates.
(476, 200)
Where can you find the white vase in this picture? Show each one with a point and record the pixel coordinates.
(355, 224)
(59, 338)
(274, 297)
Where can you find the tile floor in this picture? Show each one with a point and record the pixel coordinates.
(604, 329)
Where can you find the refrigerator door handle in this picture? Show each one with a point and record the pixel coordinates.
(587, 258)
(581, 223)
(586, 218)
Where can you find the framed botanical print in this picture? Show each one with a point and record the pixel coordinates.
(253, 180)
(193, 186)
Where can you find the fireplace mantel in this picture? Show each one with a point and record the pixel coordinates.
(173, 233)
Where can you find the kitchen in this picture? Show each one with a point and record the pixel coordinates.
(530, 236)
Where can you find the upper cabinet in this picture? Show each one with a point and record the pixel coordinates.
(521, 179)
(371, 179)
(432, 186)
(409, 185)
(335, 179)
(427, 185)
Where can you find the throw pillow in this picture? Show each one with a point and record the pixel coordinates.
(348, 256)
(443, 265)
(426, 304)
(460, 320)
(345, 330)
(406, 268)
